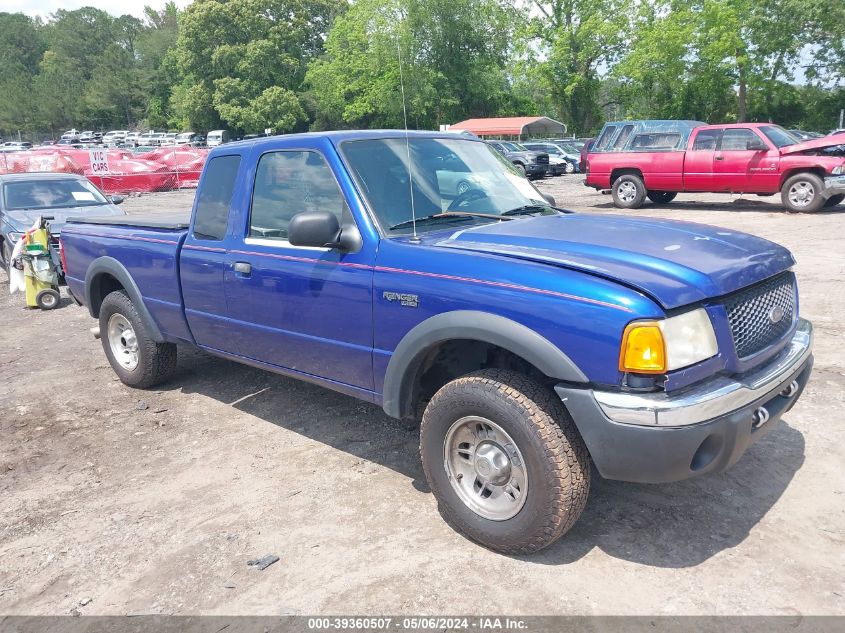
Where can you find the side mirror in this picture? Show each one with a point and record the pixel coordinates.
(756, 145)
(549, 198)
(117, 199)
(314, 228)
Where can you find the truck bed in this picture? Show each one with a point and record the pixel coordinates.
(142, 251)
(169, 221)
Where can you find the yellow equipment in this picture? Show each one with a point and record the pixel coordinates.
(42, 280)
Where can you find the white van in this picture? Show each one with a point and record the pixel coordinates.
(217, 137)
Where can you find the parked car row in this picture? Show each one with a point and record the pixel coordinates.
(541, 158)
(127, 139)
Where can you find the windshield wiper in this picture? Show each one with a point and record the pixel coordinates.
(447, 215)
(528, 209)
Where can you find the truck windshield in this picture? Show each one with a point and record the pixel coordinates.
(51, 194)
(448, 175)
(778, 136)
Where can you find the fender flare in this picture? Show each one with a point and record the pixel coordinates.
(110, 266)
(468, 325)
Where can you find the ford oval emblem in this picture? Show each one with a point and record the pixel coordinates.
(776, 314)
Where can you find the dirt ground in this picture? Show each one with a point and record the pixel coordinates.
(117, 501)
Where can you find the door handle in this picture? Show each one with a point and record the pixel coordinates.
(719, 158)
(242, 267)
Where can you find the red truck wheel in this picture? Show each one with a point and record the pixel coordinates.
(628, 191)
(802, 193)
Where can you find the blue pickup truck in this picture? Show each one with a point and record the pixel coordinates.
(422, 272)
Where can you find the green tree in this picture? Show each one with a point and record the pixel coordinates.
(454, 55)
(21, 48)
(577, 40)
(246, 59)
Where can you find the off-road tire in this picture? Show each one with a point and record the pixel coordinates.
(156, 361)
(814, 181)
(623, 182)
(556, 459)
(833, 201)
(661, 197)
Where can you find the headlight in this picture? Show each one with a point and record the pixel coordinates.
(655, 347)
(838, 170)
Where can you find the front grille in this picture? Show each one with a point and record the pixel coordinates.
(752, 312)
(543, 159)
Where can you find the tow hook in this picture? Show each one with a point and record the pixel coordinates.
(791, 390)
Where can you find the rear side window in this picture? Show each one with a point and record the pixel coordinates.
(623, 137)
(737, 139)
(286, 184)
(215, 196)
(707, 140)
(660, 141)
(604, 139)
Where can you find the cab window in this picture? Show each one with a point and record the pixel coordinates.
(215, 196)
(288, 183)
(707, 141)
(737, 139)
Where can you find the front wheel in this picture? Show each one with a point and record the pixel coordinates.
(137, 359)
(504, 461)
(802, 193)
(7, 255)
(628, 191)
(569, 168)
(661, 197)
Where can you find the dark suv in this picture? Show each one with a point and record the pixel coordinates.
(534, 164)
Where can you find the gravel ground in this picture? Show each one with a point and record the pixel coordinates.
(153, 501)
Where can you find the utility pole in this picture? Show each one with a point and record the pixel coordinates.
(841, 116)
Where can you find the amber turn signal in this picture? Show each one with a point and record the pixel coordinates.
(643, 349)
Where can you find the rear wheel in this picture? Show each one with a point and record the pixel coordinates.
(504, 460)
(661, 197)
(628, 191)
(136, 358)
(834, 200)
(802, 193)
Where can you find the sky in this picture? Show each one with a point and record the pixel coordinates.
(44, 8)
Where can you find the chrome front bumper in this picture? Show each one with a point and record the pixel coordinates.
(713, 398)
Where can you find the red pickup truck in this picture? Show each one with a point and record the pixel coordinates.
(636, 160)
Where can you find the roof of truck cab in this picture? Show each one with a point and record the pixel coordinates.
(338, 136)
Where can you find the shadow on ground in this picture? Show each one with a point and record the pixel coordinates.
(670, 525)
(739, 205)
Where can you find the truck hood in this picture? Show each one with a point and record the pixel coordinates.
(824, 142)
(675, 263)
(23, 219)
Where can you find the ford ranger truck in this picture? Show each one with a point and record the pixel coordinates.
(657, 160)
(532, 341)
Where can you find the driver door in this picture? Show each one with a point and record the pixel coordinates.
(305, 309)
(745, 163)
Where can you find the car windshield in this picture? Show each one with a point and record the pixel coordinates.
(51, 194)
(779, 136)
(449, 175)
